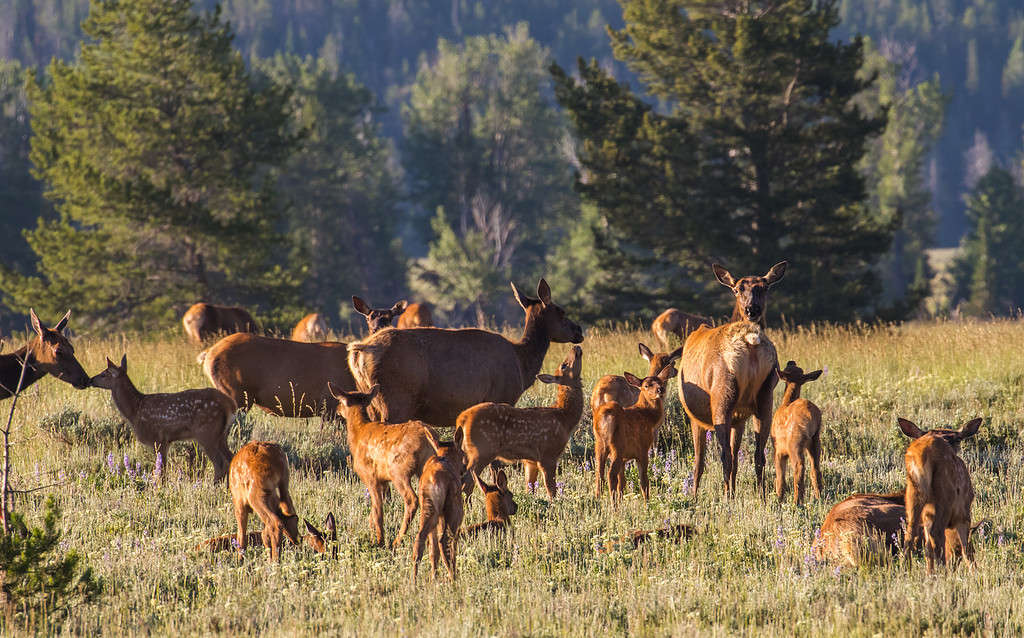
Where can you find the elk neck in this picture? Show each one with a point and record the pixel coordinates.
(127, 398)
(531, 348)
(356, 424)
(791, 394)
(12, 371)
(570, 404)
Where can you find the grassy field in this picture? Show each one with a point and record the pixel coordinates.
(748, 571)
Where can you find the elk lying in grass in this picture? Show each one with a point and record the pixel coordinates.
(441, 505)
(49, 352)
(499, 505)
(939, 492)
(434, 374)
(203, 415)
(613, 387)
(314, 538)
(861, 527)
(676, 322)
(796, 428)
(204, 320)
(637, 537)
(728, 375)
(312, 328)
(416, 315)
(283, 377)
(499, 431)
(624, 433)
(385, 453)
(377, 318)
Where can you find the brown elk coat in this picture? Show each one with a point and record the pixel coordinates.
(204, 320)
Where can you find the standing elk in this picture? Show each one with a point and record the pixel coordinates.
(625, 433)
(729, 376)
(939, 492)
(862, 526)
(49, 352)
(796, 429)
(312, 329)
(676, 322)
(385, 453)
(499, 431)
(377, 318)
(434, 374)
(440, 492)
(204, 320)
(499, 506)
(416, 315)
(613, 387)
(283, 377)
(203, 415)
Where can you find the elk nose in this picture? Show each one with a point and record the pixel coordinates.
(753, 310)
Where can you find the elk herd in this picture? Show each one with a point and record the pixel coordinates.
(399, 389)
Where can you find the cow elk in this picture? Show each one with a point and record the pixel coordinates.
(259, 483)
(203, 415)
(416, 315)
(311, 329)
(939, 492)
(499, 431)
(676, 322)
(624, 433)
(499, 506)
(385, 453)
(283, 377)
(613, 387)
(377, 318)
(862, 527)
(440, 500)
(434, 374)
(204, 320)
(49, 352)
(728, 375)
(796, 429)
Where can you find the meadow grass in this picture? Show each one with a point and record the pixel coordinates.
(748, 571)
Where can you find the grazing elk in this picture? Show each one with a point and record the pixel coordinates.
(637, 537)
(416, 315)
(434, 374)
(204, 320)
(441, 506)
(499, 431)
(728, 375)
(49, 352)
(259, 483)
(676, 322)
(624, 433)
(385, 453)
(499, 505)
(939, 492)
(796, 429)
(862, 526)
(283, 377)
(316, 539)
(613, 387)
(377, 318)
(312, 328)
(203, 415)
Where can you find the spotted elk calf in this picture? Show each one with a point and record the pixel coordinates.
(796, 429)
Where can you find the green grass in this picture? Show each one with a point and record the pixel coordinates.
(747, 572)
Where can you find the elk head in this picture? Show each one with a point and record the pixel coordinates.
(353, 400)
(498, 501)
(52, 353)
(319, 540)
(658, 360)
(110, 376)
(794, 374)
(953, 437)
(652, 387)
(569, 372)
(378, 318)
(751, 292)
(549, 315)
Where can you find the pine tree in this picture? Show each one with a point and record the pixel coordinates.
(155, 146)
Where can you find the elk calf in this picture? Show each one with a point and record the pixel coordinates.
(637, 537)
(861, 526)
(259, 483)
(622, 433)
(796, 428)
(939, 492)
(203, 415)
(312, 328)
(385, 453)
(499, 505)
(441, 504)
(377, 318)
(416, 315)
(613, 387)
(499, 431)
(316, 539)
(676, 322)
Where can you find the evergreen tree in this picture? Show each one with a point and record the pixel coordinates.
(155, 146)
(755, 159)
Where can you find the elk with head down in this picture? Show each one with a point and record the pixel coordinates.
(49, 352)
(729, 376)
(416, 315)
(204, 320)
(433, 374)
(676, 322)
(312, 328)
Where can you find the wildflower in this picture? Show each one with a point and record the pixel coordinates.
(532, 487)
(127, 464)
(586, 465)
(780, 540)
(688, 483)
(1000, 540)
(708, 436)
(81, 474)
(741, 456)
(159, 468)
(560, 487)
(112, 464)
(835, 572)
(62, 476)
(37, 470)
(817, 532)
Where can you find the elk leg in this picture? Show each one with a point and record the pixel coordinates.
(404, 488)
(964, 532)
(531, 468)
(736, 444)
(932, 536)
(421, 539)
(161, 451)
(912, 536)
(641, 468)
(815, 453)
(722, 434)
(549, 478)
(723, 402)
(600, 459)
(377, 513)
(264, 504)
(798, 475)
(762, 427)
(699, 447)
(242, 518)
(213, 453)
(952, 540)
(616, 477)
(780, 474)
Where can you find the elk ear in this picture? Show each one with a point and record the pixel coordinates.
(909, 428)
(544, 292)
(811, 376)
(547, 378)
(676, 354)
(36, 324)
(524, 301)
(667, 372)
(646, 353)
(312, 530)
(457, 439)
(501, 481)
(124, 363)
(110, 364)
(337, 394)
(484, 487)
(632, 379)
(776, 273)
(331, 526)
(970, 428)
(63, 323)
(723, 276)
(399, 307)
(361, 306)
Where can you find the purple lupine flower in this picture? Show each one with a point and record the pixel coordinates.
(37, 471)
(532, 487)
(81, 474)
(780, 540)
(560, 487)
(62, 476)
(1000, 540)
(586, 465)
(158, 469)
(708, 436)
(112, 464)
(127, 464)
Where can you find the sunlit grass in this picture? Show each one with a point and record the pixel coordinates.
(748, 571)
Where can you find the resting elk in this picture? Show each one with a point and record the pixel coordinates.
(939, 492)
(676, 322)
(204, 320)
(312, 328)
(499, 506)
(729, 376)
(49, 352)
(862, 526)
(416, 315)
(377, 318)
(434, 374)
(283, 377)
